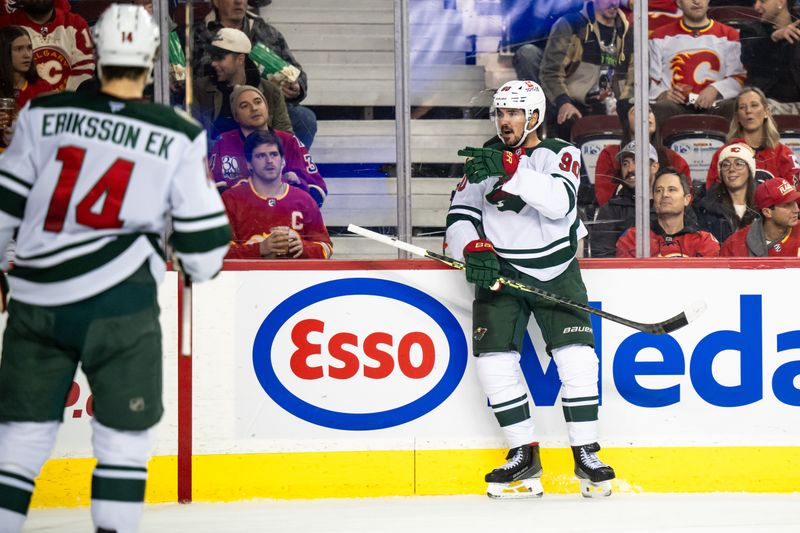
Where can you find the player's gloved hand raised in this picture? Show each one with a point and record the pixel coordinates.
(488, 162)
(483, 267)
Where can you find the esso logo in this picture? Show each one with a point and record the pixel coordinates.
(359, 354)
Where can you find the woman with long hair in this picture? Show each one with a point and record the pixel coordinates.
(753, 125)
(608, 166)
(729, 204)
(18, 77)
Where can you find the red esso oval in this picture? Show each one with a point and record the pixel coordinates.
(360, 354)
(375, 355)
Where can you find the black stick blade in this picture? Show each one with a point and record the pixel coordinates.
(682, 319)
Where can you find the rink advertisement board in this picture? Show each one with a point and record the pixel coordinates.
(364, 360)
(361, 365)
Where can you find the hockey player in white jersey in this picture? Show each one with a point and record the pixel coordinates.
(514, 214)
(89, 183)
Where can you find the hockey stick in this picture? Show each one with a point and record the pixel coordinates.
(676, 322)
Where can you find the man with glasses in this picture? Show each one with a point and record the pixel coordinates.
(671, 233)
(776, 234)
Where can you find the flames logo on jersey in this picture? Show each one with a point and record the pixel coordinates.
(52, 66)
(697, 69)
(10, 6)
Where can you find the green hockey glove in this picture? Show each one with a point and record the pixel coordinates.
(488, 162)
(483, 267)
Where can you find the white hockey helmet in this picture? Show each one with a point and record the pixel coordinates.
(125, 35)
(520, 94)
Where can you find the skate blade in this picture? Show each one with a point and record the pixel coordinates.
(592, 489)
(523, 488)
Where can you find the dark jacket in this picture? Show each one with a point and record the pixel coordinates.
(772, 67)
(715, 213)
(258, 31)
(571, 63)
(611, 221)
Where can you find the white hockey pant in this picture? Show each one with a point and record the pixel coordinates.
(24, 448)
(578, 368)
(118, 481)
(501, 377)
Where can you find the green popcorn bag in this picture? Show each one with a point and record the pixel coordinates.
(177, 61)
(272, 66)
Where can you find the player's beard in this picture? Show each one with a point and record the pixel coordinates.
(511, 138)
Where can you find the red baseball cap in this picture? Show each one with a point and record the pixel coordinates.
(775, 191)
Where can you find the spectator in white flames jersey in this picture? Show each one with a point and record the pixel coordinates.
(694, 63)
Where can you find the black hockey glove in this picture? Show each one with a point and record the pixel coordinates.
(488, 162)
(483, 267)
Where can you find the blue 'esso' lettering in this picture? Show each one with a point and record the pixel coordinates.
(321, 354)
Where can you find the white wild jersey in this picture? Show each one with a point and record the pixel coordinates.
(532, 219)
(90, 181)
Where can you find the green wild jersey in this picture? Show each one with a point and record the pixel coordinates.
(531, 219)
(90, 183)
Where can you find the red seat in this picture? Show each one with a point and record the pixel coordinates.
(592, 126)
(591, 134)
(788, 124)
(695, 138)
(789, 128)
(682, 126)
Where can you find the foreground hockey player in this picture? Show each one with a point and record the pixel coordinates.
(89, 183)
(514, 214)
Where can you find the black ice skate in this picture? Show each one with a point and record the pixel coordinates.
(519, 477)
(595, 476)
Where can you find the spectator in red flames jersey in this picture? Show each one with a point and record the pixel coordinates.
(671, 234)
(251, 111)
(62, 46)
(777, 233)
(269, 218)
